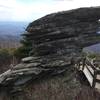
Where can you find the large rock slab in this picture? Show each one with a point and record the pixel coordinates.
(65, 32)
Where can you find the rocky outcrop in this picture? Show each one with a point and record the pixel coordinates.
(57, 39)
(32, 68)
(65, 32)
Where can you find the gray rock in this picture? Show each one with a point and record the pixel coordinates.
(64, 32)
(57, 39)
(27, 65)
(29, 59)
(22, 80)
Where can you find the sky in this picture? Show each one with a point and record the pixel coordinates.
(29, 10)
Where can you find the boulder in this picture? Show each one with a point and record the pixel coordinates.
(64, 32)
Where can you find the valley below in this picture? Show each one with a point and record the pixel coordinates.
(10, 34)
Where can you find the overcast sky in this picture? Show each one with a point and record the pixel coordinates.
(29, 10)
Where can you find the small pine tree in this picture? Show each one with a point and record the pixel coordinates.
(26, 47)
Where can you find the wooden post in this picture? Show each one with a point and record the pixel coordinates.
(84, 61)
(94, 79)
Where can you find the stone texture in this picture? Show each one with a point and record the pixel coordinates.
(64, 32)
(57, 40)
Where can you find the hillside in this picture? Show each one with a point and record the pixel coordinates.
(12, 28)
(10, 34)
(9, 41)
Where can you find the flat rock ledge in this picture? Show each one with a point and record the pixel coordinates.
(32, 68)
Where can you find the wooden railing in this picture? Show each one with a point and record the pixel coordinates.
(91, 72)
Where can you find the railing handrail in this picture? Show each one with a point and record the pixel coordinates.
(90, 63)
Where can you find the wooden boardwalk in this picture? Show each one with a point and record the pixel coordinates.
(91, 71)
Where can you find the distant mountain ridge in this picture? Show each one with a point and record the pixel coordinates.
(12, 28)
(10, 33)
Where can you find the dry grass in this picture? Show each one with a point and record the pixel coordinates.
(88, 94)
(63, 87)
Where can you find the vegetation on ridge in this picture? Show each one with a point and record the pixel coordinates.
(25, 49)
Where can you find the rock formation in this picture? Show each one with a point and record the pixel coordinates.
(56, 39)
(65, 32)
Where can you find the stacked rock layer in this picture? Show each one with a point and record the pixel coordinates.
(56, 39)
